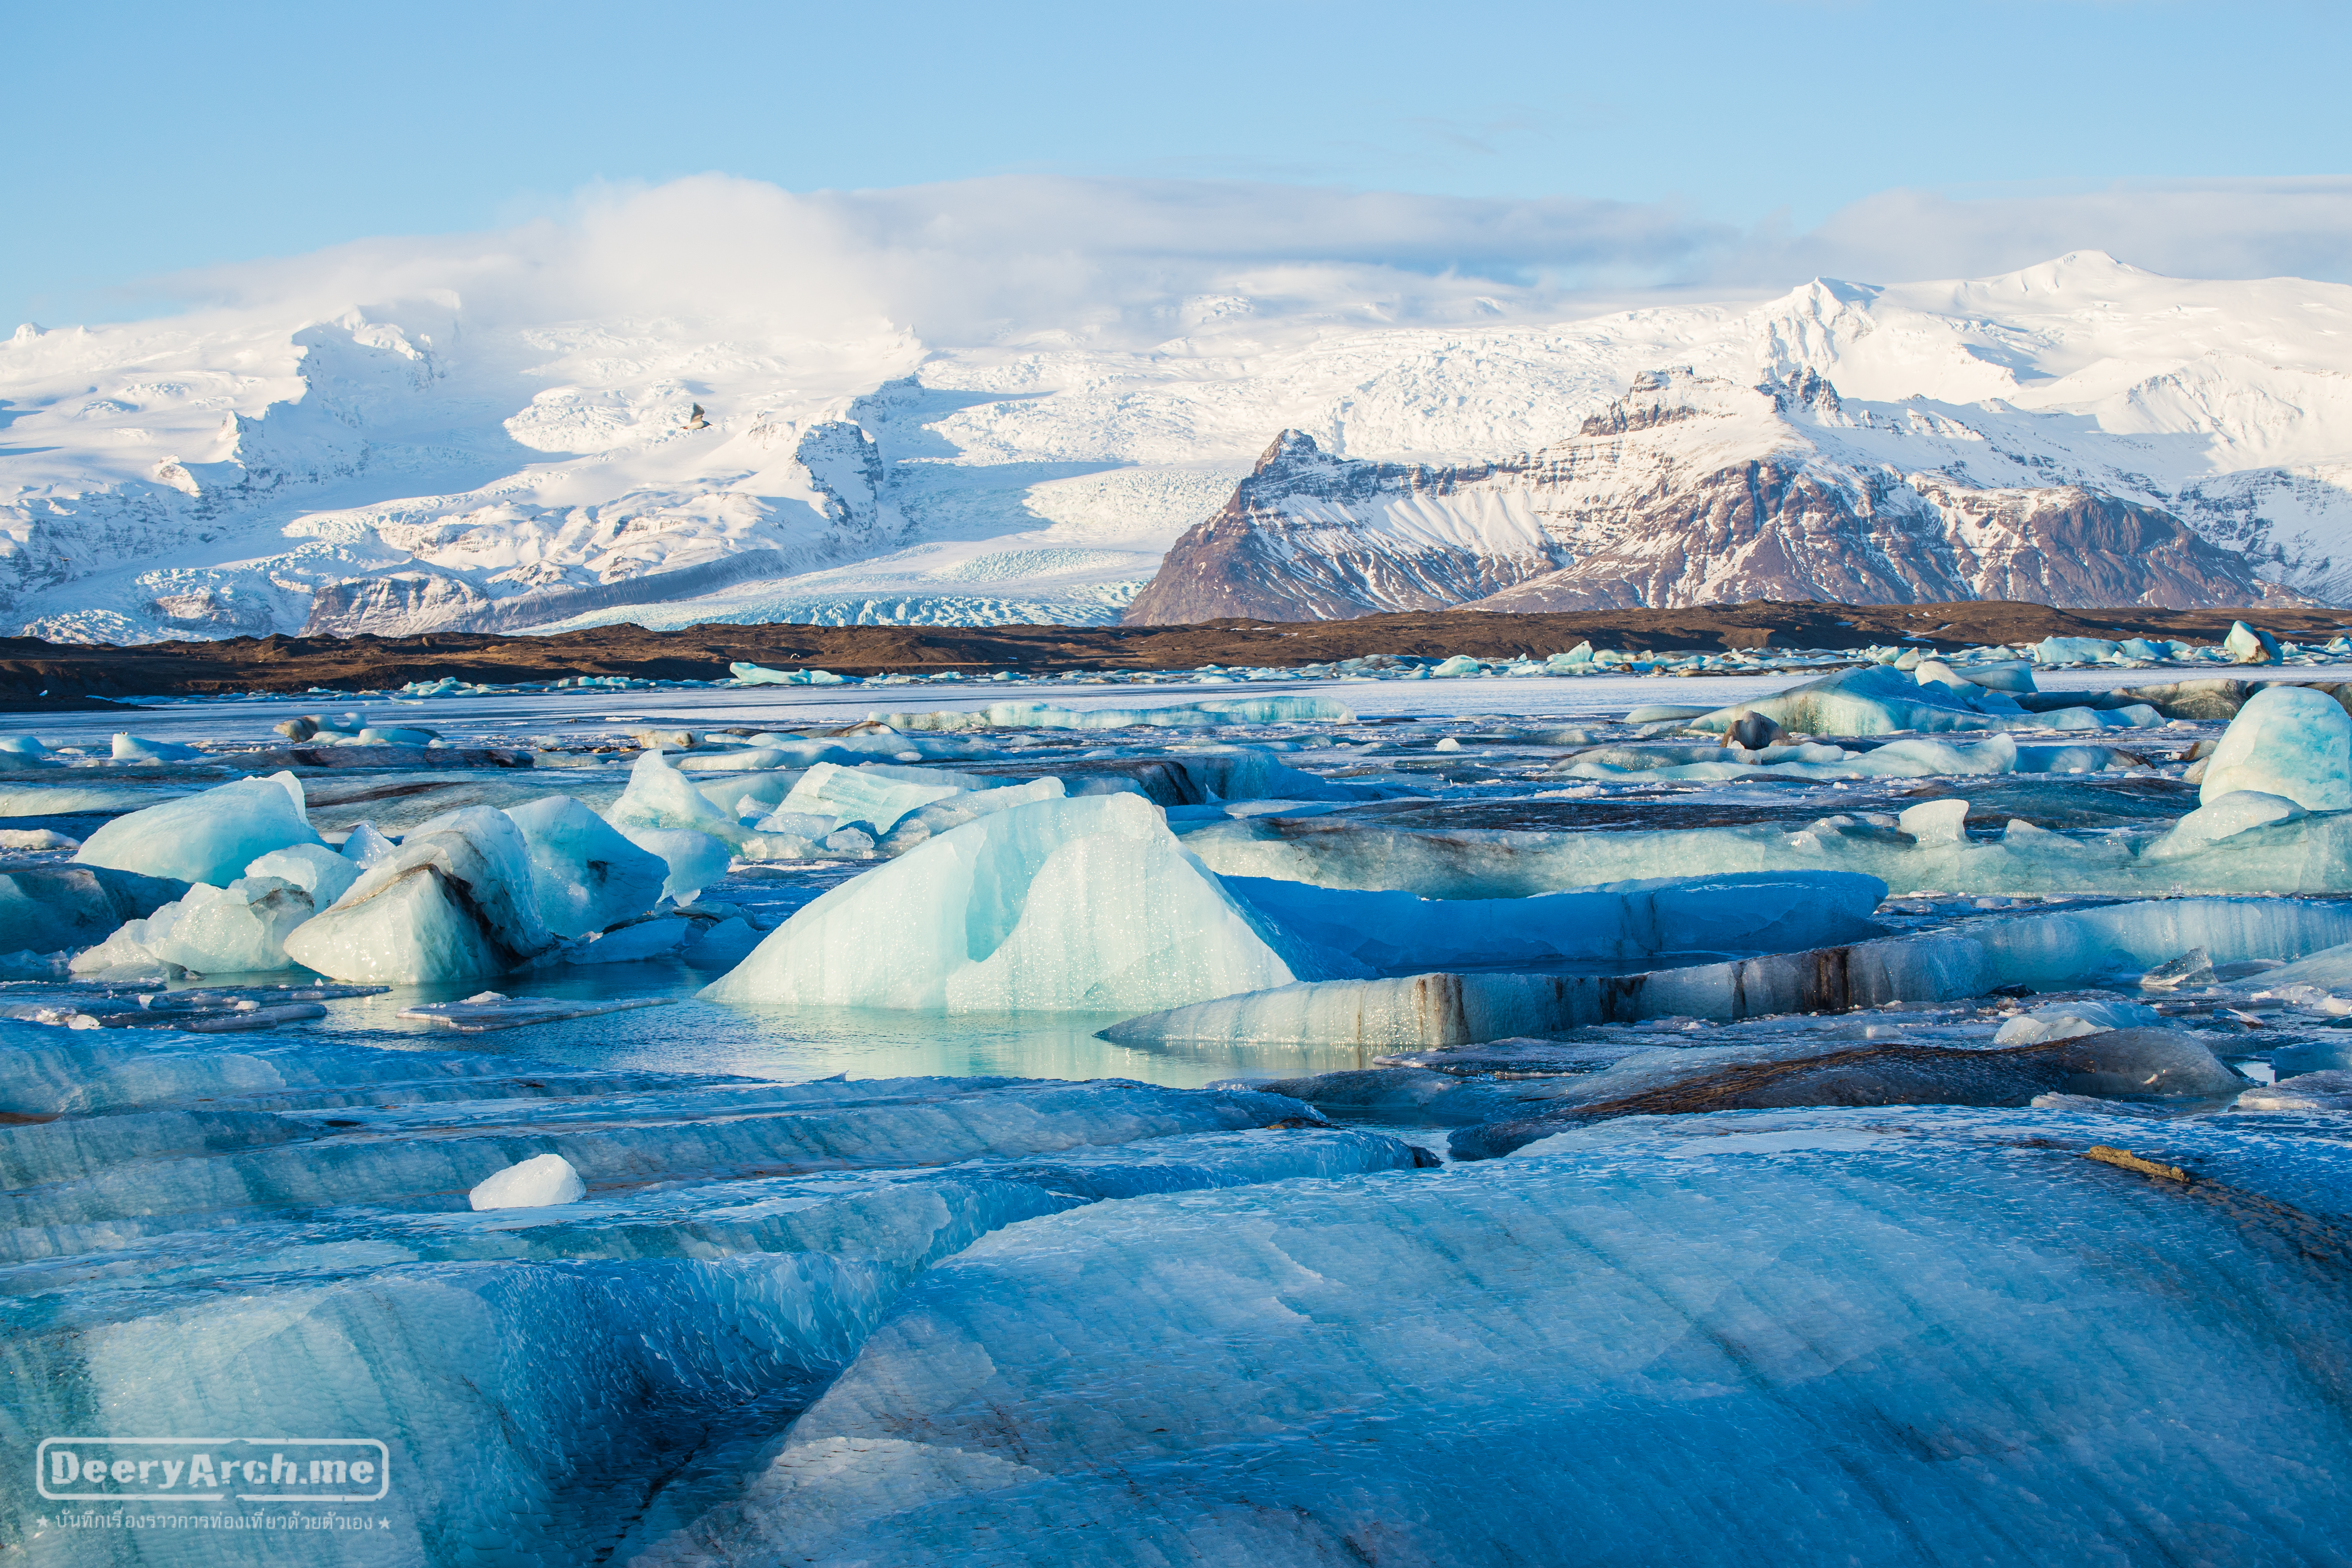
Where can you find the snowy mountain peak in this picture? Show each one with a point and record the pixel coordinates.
(408, 462)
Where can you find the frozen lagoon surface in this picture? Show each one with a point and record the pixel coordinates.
(1967, 1237)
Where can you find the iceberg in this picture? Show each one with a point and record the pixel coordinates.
(692, 859)
(584, 875)
(1621, 924)
(227, 931)
(878, 794)
(130, 748)
(540, 1182)
(1189, 715)
(2287, 740)
(2075, 650)
(2309, 855)
(1084, 904)
(761, 675)
(48, 909)
(210, 837)
(2249, 644)
(660, 797)
(1877, 700)
(1775, 1337)
(2041, 952)
(454, 901)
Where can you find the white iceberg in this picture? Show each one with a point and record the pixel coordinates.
(693, 859)
(130, 748)
(540, 1182)
(585, 875)
(456, 899)
(1088, 904)
(2287, 740)
(876, 793)
(226, 931)
(207, 837)
(659, 797)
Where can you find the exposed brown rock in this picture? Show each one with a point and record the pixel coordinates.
(72, 671)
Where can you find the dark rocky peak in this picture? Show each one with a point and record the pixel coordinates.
(1809, 390)
(1656, 397)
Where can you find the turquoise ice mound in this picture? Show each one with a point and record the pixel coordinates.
(211, 836)
(1848, 1337)
(456, 899)
(1083, 904)
(1878, 699)
(584, 875)
(2287, 740)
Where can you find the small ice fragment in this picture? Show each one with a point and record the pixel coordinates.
(1448, 744)
(540, 1182)
(365, 846)
(2194, 967)
(2064, 1020)
(36, 838)
(1935, 821)
(130, 748)
(2328, 1089)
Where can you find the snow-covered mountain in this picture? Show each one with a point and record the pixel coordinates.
(2078, 429)
(1695, 490)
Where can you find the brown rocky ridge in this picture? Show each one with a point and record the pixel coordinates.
(30, 667)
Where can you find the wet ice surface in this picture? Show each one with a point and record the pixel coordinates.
(1952, 1228)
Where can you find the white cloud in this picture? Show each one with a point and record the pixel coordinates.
(1114, 260)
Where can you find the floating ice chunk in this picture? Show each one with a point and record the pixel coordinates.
(2068, 1019)
(2223, 816)
(2249, 644)
(2326, 1089)
(1935, 821)
(130, 748)
(880, 795)
(659, 797)
(948, 812)
(1664, 713)
(2012, 674)
(455, 899)
(760, 675)
(2194, 967)
(694, 860)
(24, 748)
(2043, 953)
(2072, 650)
(1251, 772)
(365, 846)
(46, 909)
(540, 1182)
(2287, 740)
(1041, 716)
(313, 867)
(584, 874)
(207, 837)
(227, 931)
(1626, 923)
(1876, 699)
(1082, 904)
(2311, 1055)
(2063, 759)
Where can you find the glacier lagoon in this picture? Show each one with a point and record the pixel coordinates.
(1948, 1221)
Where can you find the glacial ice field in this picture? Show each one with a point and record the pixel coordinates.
(1891, 1114)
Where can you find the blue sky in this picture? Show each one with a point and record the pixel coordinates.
(146, 139)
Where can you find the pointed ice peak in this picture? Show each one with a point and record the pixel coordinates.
(1290, 446)
(26, 331)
